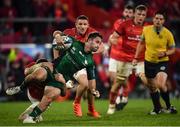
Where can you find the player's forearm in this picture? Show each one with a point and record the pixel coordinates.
(113, 38)
(139, 49)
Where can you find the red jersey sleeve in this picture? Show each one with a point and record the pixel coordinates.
(117, 23)
(121, 28)
(70, 32)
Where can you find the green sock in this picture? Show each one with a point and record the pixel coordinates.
(36, 112)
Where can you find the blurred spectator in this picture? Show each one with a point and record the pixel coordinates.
(59, 12)
(40, 8)
(16, 70)
(105, 4)
(24, 8)
(117, 8)
(23, 36)
(6, 33)
(21, 56)
(8, 11)
(173, 8)
(152, 8)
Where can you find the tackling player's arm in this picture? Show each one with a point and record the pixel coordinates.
(113, 38)
(118, 31)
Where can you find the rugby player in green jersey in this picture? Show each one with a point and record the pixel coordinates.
(76, 57)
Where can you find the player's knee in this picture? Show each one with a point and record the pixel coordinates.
(56, 93)
(163, 88)
(152, 88)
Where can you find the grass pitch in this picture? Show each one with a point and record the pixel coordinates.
(61, 114)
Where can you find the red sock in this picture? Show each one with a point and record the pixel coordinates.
(77, 100)
(91, 107)
(125, 91)
(112, 97)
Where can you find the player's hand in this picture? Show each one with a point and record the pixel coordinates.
(59, 77)
(59, 40)
(69, 84)
(95, 93)
(161, 54)
(134, 62)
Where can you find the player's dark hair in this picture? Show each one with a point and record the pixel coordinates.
(83, 17)
(129, 7)
(161, 12)
(41, 60)
(94, 35)
(141, 7)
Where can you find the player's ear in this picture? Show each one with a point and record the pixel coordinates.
(90, 40)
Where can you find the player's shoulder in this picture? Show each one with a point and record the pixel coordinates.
(91, 29)
(127, 22)
(118, 21)
(69, 31)
(167, 30)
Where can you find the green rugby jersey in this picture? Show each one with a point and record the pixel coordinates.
(75, 59)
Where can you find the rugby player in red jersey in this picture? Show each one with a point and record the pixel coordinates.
(81, 32)
(115, 52)
(35, 92)
(130, 30)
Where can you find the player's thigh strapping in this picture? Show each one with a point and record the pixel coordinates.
(124, 69)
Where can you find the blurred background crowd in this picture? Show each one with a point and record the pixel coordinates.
(26, 28)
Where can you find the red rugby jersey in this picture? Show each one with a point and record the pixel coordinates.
(131, 34)
(73, 32)
(116, 49)
(36, 89)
